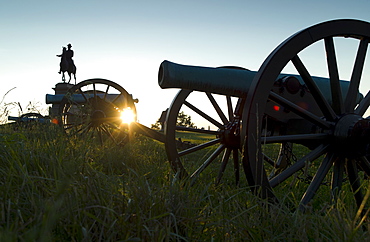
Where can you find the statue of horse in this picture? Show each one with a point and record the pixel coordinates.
(70, 68)
(67, 65)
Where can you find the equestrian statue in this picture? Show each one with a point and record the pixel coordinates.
(67, 64)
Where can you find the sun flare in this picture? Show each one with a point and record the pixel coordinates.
(128, 115)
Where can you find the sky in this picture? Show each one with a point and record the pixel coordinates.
(125, 41)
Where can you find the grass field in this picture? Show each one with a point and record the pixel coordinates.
(55, 188)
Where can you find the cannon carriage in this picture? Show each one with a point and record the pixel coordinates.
(258, 121)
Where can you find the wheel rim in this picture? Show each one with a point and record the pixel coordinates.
(97, 116)
(339, 122)
(31, 115)
(222, 143)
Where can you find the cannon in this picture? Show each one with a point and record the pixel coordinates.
(211, 81)
(99, 110)
(281, 128)
(28, 119)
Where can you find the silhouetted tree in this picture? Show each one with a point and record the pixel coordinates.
(156, 125)
(183, 120)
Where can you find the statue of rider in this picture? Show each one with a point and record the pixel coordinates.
(69, 55)
(62, 59)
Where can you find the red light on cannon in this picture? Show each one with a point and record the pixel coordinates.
(55, 121)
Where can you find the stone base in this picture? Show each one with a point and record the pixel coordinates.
(60, 88)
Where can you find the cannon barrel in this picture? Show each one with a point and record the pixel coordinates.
(227, 81)
(233, 81)
(78, 98)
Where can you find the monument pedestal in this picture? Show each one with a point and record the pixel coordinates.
(60, 88)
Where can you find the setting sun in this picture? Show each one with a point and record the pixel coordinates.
(128, 115)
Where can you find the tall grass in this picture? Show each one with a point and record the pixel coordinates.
(55, 188)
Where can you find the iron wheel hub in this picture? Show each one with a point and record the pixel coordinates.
(97, 117)
(352, 135)
(230, 135)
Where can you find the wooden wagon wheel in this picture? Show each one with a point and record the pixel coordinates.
(191, 150)
(93, 109)
(336, 129)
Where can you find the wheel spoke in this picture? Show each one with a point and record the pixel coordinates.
(292, 138)
(315, 91)
(217, 108)
(236, 165)
(313, 155)
(74, 124)
(299, 111)
(355, 181)
(83, 130)
(116, 98)
(351, 98)
(99, 132)
(224, 161)
(68, 126)
(106, 93)
(317, 180)
(201, 113)
(364, 105)
(230, 108)
(207, 162)
(107, 131)
(336, 93)
(239, 107)
(72, 101)
(364, 163)
(87, 133)
(94, 90)
(199, 147)
(112, 126)
(337, 178)
(283, 160)
(82, 93)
